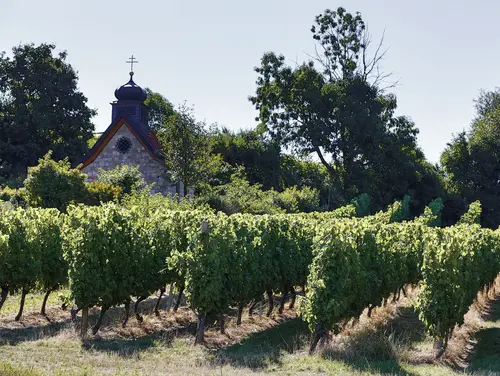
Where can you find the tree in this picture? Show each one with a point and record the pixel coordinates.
(259, 155)
(185, 146)
(471, 161)
(41, 109)
(160, 110)
(344, 42)
(340, 113)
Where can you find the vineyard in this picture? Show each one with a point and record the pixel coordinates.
(113, 255)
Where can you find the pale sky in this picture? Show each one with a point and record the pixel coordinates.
(203, 52)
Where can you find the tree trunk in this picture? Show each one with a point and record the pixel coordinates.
(404, 291)
(157, 306)
(370, 309)
(136, 308)
(394, 296)
(170, 298)
(319, 333)
(74, 312)
(283, 301)
(85, 321)
(252, 307)
(127, 313)
(439, 347)
(240, 313)
(3, 298)
(200, 331)
(179, 297)
(98, 324)
(328, 166)
(21, 306)
(294, 296)
(270, 300)
(44, 304)
(222, 322)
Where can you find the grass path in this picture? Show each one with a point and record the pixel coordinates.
(486, 356)
(390, 343)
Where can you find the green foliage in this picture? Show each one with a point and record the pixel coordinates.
(19, 262)
(239, 196)
(45, 234)
(160, 110)
(458, 261)
(294, 200)
(341, 115)
(146, 200)
(473, 215)
(362, 204)
(103, 249)
(128, 178)
(364, 258)
(99, 191)
(16, 197)
(41, 109)
(436, 209)
(249, 148)
(186, 148)
(54, 184)
(30, 253)
(471, 160)
(402, 212)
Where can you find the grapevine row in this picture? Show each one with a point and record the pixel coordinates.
(111, 254)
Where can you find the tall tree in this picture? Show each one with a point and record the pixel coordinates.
(249, 148)
(41, 108)
(334, 107)
(160, 110)
(471, 161)
(185, 145)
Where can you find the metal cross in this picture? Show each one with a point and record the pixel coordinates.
(132, 61)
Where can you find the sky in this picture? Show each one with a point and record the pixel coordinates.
(442, 52)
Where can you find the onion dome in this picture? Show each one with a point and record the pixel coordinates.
(131, 92)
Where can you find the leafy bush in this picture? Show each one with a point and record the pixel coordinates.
(473, 215)
(239, 196)
(16, 197)
(128, 178)
(99, 191)
(294, 200)
(54, 184)
(362, 203)
(436, 207)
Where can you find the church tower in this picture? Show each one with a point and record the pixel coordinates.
(130, 101)
(128, 140)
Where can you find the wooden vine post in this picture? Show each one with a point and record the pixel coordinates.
(202, 317)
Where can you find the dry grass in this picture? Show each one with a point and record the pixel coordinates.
(463, 341)
(391, 342)
(393, 332)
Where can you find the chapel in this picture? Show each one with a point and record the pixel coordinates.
(128, 140)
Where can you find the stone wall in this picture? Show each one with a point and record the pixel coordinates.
(152, 170)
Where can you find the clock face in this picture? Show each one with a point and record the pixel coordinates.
(123, 145)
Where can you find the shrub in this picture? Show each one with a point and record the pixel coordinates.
(294, 200)
(54, 184)
(362, 203)
(239, 196)
(472, 215)
(99, 191)
(16, 197)
(128, 178)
